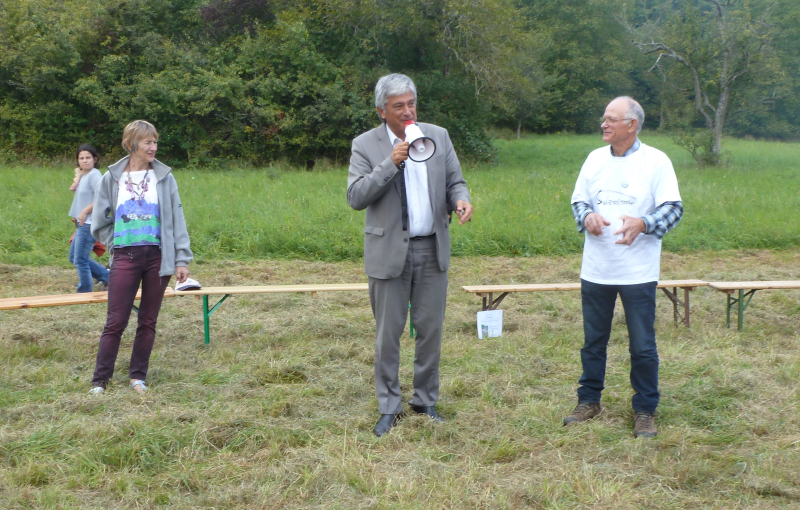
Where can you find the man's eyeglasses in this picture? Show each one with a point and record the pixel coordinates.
(610, 120)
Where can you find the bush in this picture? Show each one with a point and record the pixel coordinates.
(699, 142)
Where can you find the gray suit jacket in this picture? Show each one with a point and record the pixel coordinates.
(373, 185)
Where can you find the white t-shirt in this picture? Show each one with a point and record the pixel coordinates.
(634, 185)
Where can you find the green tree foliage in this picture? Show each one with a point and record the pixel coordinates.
(721, 50)
(260, 80)
(585, 58)
(249, 79)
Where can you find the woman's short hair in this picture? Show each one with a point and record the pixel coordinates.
(392, 85)
(88, 148)
(135, 131)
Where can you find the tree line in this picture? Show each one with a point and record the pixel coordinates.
(260, 80)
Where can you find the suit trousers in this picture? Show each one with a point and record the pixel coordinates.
(424, 285)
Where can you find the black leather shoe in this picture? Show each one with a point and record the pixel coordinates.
(386, 423)
(430, 411)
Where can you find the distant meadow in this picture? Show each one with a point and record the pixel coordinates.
(522, 205)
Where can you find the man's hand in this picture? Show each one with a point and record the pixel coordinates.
(399, 153)
(464, 211)
(594, 223)
(631, 228)
(181, 273)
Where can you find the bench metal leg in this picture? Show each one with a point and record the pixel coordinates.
(207, 314)
(410, 322)
(489, 304)
(742, 302)
(677, 305)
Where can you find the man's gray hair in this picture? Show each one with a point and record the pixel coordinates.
(634, 112)
(392, 85)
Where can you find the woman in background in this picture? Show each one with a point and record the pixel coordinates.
(87, 176)
(138, 215)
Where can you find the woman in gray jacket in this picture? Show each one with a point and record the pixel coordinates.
(138, 215)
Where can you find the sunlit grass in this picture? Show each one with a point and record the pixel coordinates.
(522, 205)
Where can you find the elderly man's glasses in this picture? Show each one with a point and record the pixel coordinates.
(610, 120)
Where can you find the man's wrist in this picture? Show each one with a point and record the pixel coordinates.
(648, 224)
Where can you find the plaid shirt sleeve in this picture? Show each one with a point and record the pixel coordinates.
(580, 210)
(663, 219)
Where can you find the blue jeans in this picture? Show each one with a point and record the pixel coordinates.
(80, 256)
(639, 302)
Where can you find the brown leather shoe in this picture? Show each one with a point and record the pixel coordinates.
(644, 425)
(582, 412)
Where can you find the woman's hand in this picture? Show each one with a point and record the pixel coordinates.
(182, 273)
(83, 214)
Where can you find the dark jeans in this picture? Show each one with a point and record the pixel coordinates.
(131, 266)
(639, 302)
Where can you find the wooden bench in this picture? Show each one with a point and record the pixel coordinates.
(746, 291)
(490, 303)
(226, 292)
(85, 298)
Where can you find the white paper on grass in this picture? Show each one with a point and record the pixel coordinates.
(490, 324)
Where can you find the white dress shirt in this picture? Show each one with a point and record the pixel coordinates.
(420, 212)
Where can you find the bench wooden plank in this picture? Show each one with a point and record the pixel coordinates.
(260, 289)
(730, 287)
(274, 289)
(84, 298)
(742, 301)
(544, 287)
(521, 287)
(681, 284)
(490, 303)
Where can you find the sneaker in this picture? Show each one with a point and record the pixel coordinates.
(138, 386)
(582, 412)
(97, 391)
(644, 425)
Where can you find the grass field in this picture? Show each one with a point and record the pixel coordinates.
(522, 206)
(278, 411)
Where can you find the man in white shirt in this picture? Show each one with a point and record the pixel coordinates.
(626, 199)
(406, 242)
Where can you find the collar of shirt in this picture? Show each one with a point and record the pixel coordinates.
(393, 139)
(634, 148)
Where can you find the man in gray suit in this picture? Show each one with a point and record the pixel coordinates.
(406, 242)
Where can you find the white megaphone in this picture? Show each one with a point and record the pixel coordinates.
(421, 148)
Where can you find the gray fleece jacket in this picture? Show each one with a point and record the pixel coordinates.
(174, 235)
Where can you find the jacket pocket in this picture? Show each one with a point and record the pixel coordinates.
(378, 231)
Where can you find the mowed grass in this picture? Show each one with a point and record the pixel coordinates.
(522, 205)
(278, 411)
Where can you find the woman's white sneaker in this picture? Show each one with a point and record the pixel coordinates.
(138, 386)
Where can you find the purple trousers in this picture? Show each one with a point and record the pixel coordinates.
(131, 266)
